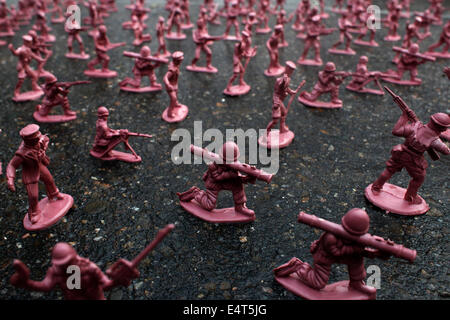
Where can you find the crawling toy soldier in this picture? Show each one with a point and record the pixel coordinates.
(224, 173)
(176, 111)
(31, 156)
(93, 282)
(346, 244)
(144, 66)
(363, 77)
(55, 94)
(419, 138)
(283, 137)
(329, 81)
(107, 139)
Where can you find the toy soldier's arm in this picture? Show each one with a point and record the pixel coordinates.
(337, 249)
(21, 278)
(224, 175)
(441, 147)
(167, 81)
(15, 162)
(400, 126)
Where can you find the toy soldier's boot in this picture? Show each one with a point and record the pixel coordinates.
(411, 192)
(242, 208)
(382, 179)
(362, 287)
(290, 267)
(189, 194)
(334, 97)
(283, 126)
(69, 49)
(209, 62)
(311, 96)
(82, 48)
(66, 108)
(18, 86)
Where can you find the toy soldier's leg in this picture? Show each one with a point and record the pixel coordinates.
(66, 107)
(50, 186)
(335, 95)
(236, 28)
(34, 78)
(152, 77)
(173, 102)
(315, 277)
(207, 199)
(70, 43)
(208, 53)
(418, 177)
(198, 49)
(283, 126)
(19, 85)
(33, 208)
(315, 93)
(357, 274)
(228, 27)
(233, 77)
(45, 107)
(93, 62)
(341, 40)
(240, 200)
(391, 167)
(306, 49)
(413, 74)
(316, 50)
(271, 125)
(105, 61)
(80, 43)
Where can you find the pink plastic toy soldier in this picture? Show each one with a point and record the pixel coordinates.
(338, 7)
(41, 49)
(412, 31)
(347, 243)
(409, 155)
(282, 20)
(25, 54)
(55, 94)
(57, 12)
(138, 29)
(314, 31)
(162, 49)
(393, 25)
(363, 77)
(184, 6)
(176, 111)
(102, 46)
(406, 8)
(242, 50)
(329, 81)
(225, 172)
(443, 40)
(283, 137)
(232, 20)
(410, 59)
(368, 25)
(272, 45)
(212, 13)
(437, 9)
(263, 17)
(144, 66)
(6, 27)
(309, 14)
(41, 26)
(202, 41)
(94, 18)
(344, 36)
(175, 19)
(73, 33)
(107, 139)
(299, 15)
(250, 22)
(31, 156)
(279, 5)
(93, 281)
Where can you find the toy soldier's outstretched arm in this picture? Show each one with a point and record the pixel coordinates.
(21, 278)
(399, 101)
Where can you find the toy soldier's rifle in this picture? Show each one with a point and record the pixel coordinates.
(123, 271)
(418, 55)
(66, 85)
(148, 58)
(242, 167)
(293, 95)
(368, 240)
(412, 117)
(373, 76)
(326, 31)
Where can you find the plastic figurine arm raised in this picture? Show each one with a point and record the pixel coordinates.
(21, 278)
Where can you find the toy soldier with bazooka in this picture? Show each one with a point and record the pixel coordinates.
(107, 139)
(283, 137)
(102, 46)
(55, 93)
(242, 50)
(34, 161)
(144, 66)
(225, 172)
(419, 138)
(347, 243)
(93, 282)
(202, 40)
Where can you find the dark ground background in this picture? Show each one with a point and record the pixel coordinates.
(119, 206)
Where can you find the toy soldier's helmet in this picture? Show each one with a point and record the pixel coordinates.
(27, 38)
(278, 27)
(252, 14)
(30, 133)
(330, 67)
(203, 10)
(316, 19)
(161, 19)
(50, 79)
(230, 152)
(414, 48)
(290, 65)
(442, 120)
(102, 29)
(363, 59)
(102, 111)
(356, 221)
(63, 253)
(145, 51)
(32, 33)
(245, 34)
(418, 20)
(178, 56)
(41, 14)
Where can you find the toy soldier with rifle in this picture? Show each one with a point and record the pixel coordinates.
(273, 44)
(225, 172)
(263, 17)
(347, 243)
(144, 66)
(55, 93)
(73, 33)
(444, 40)
(40, 26)
(232, 20)
(160, 30)
(138, 30)
(175, 18)
(93, 282)
(344, 36)
(392, 23)
(102, 46)
(283, 137)
(107, 139)
(419, 138)
(40, 48)
(362, 77)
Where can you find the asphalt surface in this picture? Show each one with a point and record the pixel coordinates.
(119, 206)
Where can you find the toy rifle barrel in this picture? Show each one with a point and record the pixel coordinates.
(159, 237)
(116, 45)
(242, 167)
(74, 83)
(399, 101)
(366, 239)
(149, 58)
(134, 134)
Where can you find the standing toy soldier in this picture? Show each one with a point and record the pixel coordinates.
(283, 137)
(363, 77)
(250, 22)
(444, 39)
(184, 6)
(437, 9)
(55, 94)
(273, 43)
(299, 14)
(263, 17)
(347, 243)
(344, 36)
(232, 15)
(242, 50)
(93, 282)
(6, 27)
(107, 139)
(73, 33)
(224, 173)
(144, 66)
(160, 30)
(31, 156)
(175, 19)
(409, 155)
(368, 25)
(41, 49)
(409, 60)
(176, 111)
(202, 40)
(138, 31)
(57, 12)
(282, 20)
(329, 81)
(94, 18)
(138, 12)
(25, 54)
(392, 23)
(102, 46)
(41, 26)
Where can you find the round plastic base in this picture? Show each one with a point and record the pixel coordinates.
(274, 72)
(180, 114)
(348, 52)
(237, 90)
(117, 155)
(78, 56)
(51, 212)
(53, 118)
(195, 68)
(232, 38)
(336, 291)
(276, 139)
(141, 89)
(310, 62)
(28, 96)
(390, 198)
(365, 90)
(392, 38)
(187, 26)
(175, 36)
(263, 30)
(99, 73)
(319, 104)
(225, 215)
(49, 38)
(366, 43)
(145, 38)
(418, 82)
